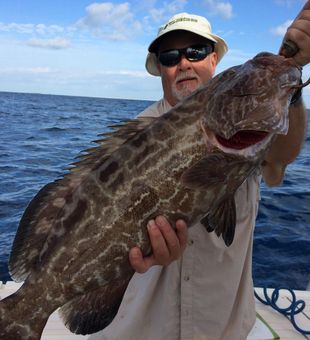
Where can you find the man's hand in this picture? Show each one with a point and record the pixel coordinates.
(167, 245)
(299, 32)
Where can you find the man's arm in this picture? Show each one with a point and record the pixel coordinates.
(286, 148)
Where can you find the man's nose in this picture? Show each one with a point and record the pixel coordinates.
(184, 63)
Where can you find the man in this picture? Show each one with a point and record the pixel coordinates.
(193, 286)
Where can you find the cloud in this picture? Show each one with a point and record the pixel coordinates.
(159, 15)
(105, 20)
(19, 28)
(223, 9)
(53, 44)
(26, 70)
(48, 29)
(281, 29)
(32, 28)
(110, 21)
(134, 74)
(73, 75)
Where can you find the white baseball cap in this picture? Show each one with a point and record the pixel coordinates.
(185, 22)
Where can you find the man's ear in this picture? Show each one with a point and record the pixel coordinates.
(213, 60)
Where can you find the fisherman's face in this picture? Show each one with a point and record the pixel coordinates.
(181, 80)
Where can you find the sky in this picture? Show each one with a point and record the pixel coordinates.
(98, 49)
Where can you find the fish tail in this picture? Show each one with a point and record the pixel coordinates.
(19, 321)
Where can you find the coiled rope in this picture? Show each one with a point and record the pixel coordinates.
(296, 306)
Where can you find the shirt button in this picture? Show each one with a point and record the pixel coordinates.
(186, 278)
(190, 242)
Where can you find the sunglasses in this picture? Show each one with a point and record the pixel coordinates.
(192, 53)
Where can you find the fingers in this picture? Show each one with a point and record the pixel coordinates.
(167, 245)
(138, 263)
(160, 232)
(168, 248)
(299, 32)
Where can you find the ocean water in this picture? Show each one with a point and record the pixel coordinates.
(42, 134)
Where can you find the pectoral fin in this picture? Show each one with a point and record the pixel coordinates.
(222, 220)
(211, 170)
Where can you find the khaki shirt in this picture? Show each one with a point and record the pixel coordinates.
(205, 295)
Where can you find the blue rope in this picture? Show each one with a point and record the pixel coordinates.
(294, 308)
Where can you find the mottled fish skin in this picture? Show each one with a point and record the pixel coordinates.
(72, 245)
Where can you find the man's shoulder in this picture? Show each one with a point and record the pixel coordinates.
(156, 109)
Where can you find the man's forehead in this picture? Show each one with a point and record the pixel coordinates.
(179, 39)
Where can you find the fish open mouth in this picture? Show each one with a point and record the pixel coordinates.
(242, 139)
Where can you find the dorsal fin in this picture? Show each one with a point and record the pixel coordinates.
(108, 143)
(38, 218)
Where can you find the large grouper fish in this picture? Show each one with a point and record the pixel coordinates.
(71, 248)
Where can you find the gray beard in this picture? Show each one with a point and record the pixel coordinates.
(181, 94)
(185, 91)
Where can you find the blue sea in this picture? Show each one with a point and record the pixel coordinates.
(42, 134)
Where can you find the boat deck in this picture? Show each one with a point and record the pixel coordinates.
(55, 329)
